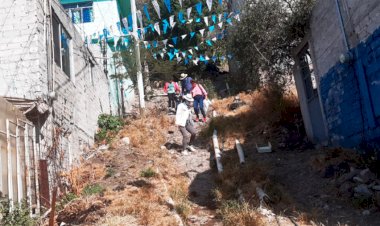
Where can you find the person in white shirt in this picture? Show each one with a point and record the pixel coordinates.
(185, 123)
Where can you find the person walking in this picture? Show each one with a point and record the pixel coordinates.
(185, 123)
(171, 88)
(185, 83)
(199, 94)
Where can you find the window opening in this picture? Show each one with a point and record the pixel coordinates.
(308, 74)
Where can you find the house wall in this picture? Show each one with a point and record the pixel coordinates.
(344, 88)
(24, 74)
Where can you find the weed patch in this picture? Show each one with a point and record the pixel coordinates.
(19, 215)
(148, 173)
(92, 189)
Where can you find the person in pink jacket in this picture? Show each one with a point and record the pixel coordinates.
(199, 94)
(171, 88)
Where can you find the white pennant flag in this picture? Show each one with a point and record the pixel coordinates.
(188, 12)
(177, 54)
(156, 7)
(180, 3)
(220, 25)
(183, 54)
(174, 23)
(165, 41)
(195, 62)
(183, 36)
(209, 4)
(162, 55)
(191, 51)
(139, 17)
(220, 17)
(190, 21)
(207, 58)
(171, 21)
(145, 43)
(214, 39)
(179, 59)
(206, 20)
(202, 31)
(237, 17)
(157, 27)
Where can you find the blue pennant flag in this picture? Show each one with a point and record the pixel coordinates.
(167, 3)
(198, 20)
(198, 7)
(211, 28)
(202, 58)
(213, 18)
(186, 61)
(214, 58)
(219, 36)
(118, 24)
(171, 56)
(148, 46)
(176, 51)
(139, 33)
(229, 56)
(124, 31)
(192, 34)
(155, 56)
(229, 21)
(220, 2)
(209, 42)
(180, 18)
(175, 40)
(130, 22)
(165, 28)
(222, 58)
(196, 48)
(225, 15)
(126, 42)
(146, 12)
(151, 27)
(155, 44)
(146, 30)
(190, 56)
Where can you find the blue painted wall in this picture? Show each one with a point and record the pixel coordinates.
(349, 97)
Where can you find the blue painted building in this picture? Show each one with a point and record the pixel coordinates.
(337, 74)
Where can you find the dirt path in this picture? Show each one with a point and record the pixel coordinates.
(196, 166)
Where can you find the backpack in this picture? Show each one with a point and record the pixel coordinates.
(171, 88)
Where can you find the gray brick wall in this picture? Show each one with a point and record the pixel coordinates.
(23, 72)
(361, 19)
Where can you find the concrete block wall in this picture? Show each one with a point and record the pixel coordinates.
(23, 73)
(342, 99)
(20, 44)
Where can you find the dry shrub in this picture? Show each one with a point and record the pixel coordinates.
(179, 193)
(85, 174)
(235, 213)
(147, 132)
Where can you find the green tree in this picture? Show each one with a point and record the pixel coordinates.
(262, 42)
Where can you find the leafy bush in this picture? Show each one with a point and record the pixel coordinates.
(92, 189)
(148, 173)
(108, 127)
(19, 215)
(66, 199)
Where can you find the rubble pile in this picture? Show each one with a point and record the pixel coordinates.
(362, 186)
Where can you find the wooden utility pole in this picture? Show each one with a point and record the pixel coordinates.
(140, 82)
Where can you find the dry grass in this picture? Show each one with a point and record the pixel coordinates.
(239, 214)
(85, 174)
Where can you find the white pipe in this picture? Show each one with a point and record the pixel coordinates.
(261, 195)
(240, 151)
(27, 168)
(36, 171)
(18, 166)
(9, 157)
(218, 155)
